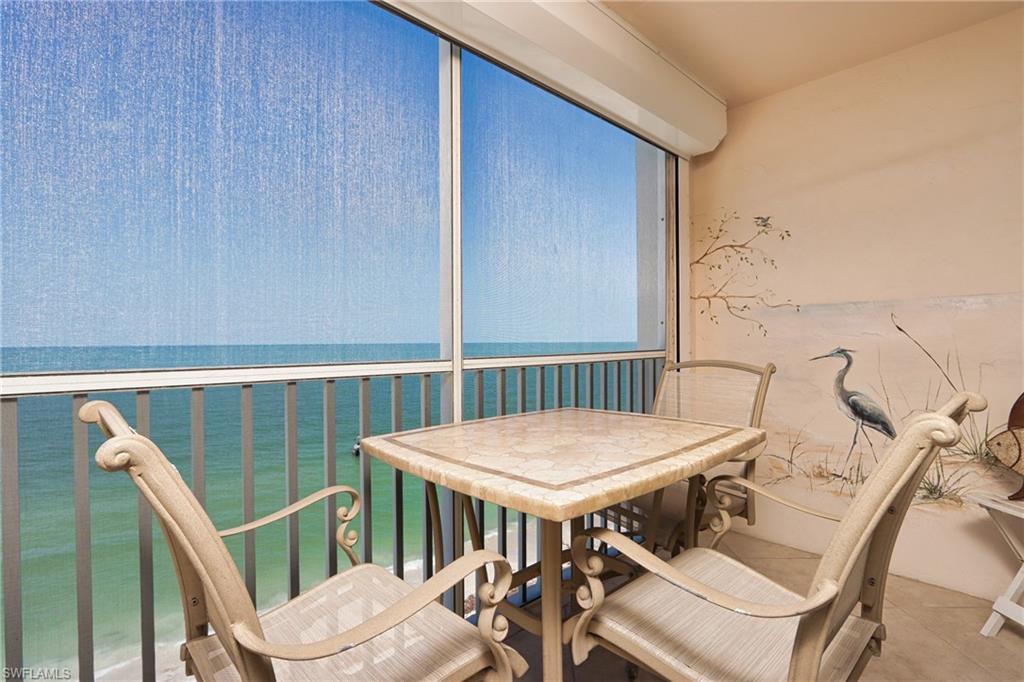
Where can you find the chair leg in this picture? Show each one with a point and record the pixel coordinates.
(694, 510)
(475, 534)
(750, 473)
(677, 537)
(653, 519)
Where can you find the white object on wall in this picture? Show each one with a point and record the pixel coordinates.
(1008, 517)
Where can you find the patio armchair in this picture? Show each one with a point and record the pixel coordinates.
(716, 391)
(702, 615)
(361, 624)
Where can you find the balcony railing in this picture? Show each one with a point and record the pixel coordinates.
(615, 381)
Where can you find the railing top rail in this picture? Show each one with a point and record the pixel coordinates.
(14, 385)
(573, 359)
(63, 383)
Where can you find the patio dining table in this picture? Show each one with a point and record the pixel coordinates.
(560, 465)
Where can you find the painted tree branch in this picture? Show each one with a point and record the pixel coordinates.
(738, 305)
(729, 259)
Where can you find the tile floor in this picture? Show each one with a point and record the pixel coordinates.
(932, 632)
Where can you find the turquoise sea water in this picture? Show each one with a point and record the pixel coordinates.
(46, 479)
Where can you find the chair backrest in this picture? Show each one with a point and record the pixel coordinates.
(717, 391)
(211, 588)
(857, 557)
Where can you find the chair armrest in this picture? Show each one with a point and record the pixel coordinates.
(761, 490)
(490, 595)
(591, 567)
(346, 538)
(753, 453)
(301, 504)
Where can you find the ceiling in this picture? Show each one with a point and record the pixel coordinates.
(743, 51)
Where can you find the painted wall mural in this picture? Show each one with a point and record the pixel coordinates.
(870, 221)
(731, 264)
(1007, 446)
(865, 413)
(732, 277)
(971, 464)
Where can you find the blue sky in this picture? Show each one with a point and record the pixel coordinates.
(267, 173)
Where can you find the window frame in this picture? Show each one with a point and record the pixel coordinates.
(450, 177)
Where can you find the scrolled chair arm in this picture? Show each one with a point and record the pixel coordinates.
(116, 453)
(591, 595)
(590, 566)
(721, 524)
(717, 498)
(959, 405)
(106, 416)
(346, 538)
(493, 627)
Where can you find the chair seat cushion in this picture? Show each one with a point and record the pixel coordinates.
(691, 638)
(434, 644)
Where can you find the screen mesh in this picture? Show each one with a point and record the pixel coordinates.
(563, 224)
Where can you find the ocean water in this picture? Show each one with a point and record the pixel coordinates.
(46, 480)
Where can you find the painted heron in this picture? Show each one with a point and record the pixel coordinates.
(861, 408)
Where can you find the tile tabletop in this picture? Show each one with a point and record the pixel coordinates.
(561, 464)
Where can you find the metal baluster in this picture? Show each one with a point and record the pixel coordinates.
(521, 390)
(540, 406)
(521, 520)
(248, 492)
(11, 529)
(478, 388)
(146, 616)
(398, 506)
(503, 530)
(643, 385)
(650, 383)
(500, 393)
(629, 384)
(590, 385)
(521, 548)
(559, 401)
(83, 540)
(540, 387)
(330, 476)
(428, 542)
(574, 379)
(291, 478)
(651, 386)
(365, 490)
(502, 511)
(609, 386)
(604, 385)
(482, 521)
(198, 446)
(456, 548)
(659, 368)
(619, 386)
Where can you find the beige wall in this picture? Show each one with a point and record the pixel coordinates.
(899, 182)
